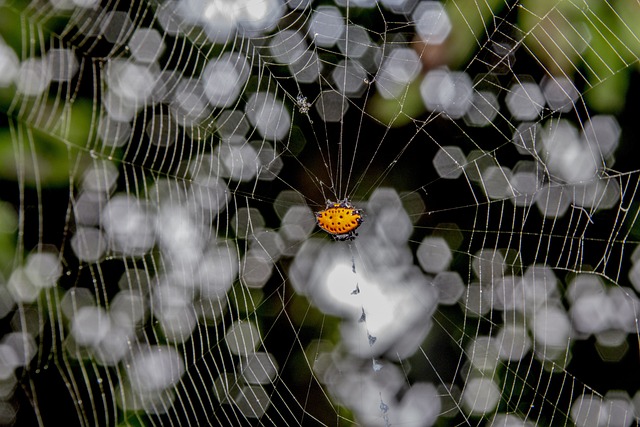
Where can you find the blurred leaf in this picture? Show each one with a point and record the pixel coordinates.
(469, 20)
(555, 32)
(32, 157)
(11, 27)
(44, 152)
(599, 37)
(398, 112)
(8, 229)
(610, 94)
(8, 219)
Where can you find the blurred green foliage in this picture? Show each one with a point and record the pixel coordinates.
(597, 40)
(591, 42)
(40, 136)
(8, 229)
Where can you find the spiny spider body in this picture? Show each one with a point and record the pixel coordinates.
(340, 219)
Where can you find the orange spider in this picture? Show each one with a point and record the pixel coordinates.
(340, 219)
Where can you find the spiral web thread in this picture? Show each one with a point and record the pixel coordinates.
(162, 163)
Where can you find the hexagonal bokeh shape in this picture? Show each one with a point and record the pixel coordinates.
(146, 45)
(7, 303)
(566, 157)
(513, 342)
(236, 161)
(298, 223)
(252, 401)
(432, 22)
(255, 19)
(331, 106)
(399, 6)
(355, 43)
(602, 133)
(226, 386)
(448, 92)
(560, 93)
(496, 182)
(482, 352)
(434, 254)
(170, 17)
(326, 26)
(161, 129)
(134, 279)
(287, 46)
(383, 198)
(43, 267)
(259, 368)
(232, 125)
(525, 186)
(450, 287)
(269, 115)
(552, 331)
(63, 64)
(307, 67)
(242, 338)
(475, 301)
(620, 408)
(266, 244)
(598, 194)
(488, 263)
(477, 162)
(399, 68)
(525, 101)
(480, 395)
(116, 26)
(505, 57)
(33, 77)
(584, 284)
(349, 76)
(223, 79)
(612, 346)
(89, 244)
(587, 409)
(539, 281)
(526, 136)
(23, 347)
(246, 222)
(26, 320)
(483, 110)
(394, 225)
(285, 200)
(529, 166)
(270, 162)
(413, 205)
(449, 162)
(590, 314)
(553, 200)
(256, 270)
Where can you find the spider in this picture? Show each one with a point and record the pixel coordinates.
(303, 104)
(340, 219)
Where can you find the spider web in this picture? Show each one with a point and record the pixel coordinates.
(162, 163)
